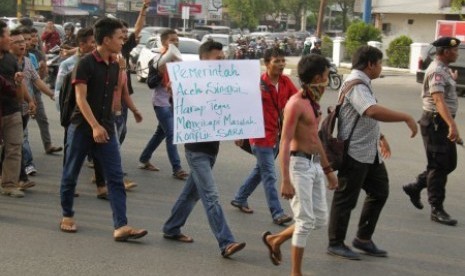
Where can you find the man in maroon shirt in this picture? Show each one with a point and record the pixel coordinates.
(50, 36)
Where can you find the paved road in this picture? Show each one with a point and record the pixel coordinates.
(31, 244)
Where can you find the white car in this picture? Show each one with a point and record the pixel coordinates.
(11, 22)
(226, 40)
(188, 47)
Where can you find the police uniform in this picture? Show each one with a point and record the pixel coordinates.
(440, 151)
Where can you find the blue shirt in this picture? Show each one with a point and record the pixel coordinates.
(66, 67)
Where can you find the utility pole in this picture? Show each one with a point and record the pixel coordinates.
(321, 15)
(19, 9)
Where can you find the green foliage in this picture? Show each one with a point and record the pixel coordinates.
(247, 13)
(358, 34)
(398, 51)
(8, 8)
(327, 46)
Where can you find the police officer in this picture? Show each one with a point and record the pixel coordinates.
(439, 130)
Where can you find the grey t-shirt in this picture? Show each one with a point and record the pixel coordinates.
(438, 79)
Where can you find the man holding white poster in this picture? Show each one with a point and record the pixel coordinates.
(200, 155)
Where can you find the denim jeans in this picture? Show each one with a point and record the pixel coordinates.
(309, 202)
(79, 142)
(264, 170)
(27, 159)
(200, 185)
(164, 130)
(22, 175)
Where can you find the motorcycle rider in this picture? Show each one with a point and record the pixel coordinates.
(70, 41)
(316, 47)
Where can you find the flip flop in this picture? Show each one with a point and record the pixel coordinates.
(179, 238)
(68, 225)
(148, 167)
(243, 209)
(274, 256)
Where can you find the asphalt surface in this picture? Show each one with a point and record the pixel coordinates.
(31, 243)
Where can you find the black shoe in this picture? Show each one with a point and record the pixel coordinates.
(440, 216)
(282, 219)
(369, 248)
(414, 195)
(343, 251)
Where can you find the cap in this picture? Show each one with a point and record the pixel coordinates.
(446, 42)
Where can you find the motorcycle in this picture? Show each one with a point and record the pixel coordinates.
(335, 80)
(53, 63)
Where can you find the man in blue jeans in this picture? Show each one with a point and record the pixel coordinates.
(92, 129)
(163, 110)
(201, 185)
(276, 90)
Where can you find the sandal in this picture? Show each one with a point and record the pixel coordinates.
(126, 232)
(181, 175)
(179, 238)
(148, 167)
(103, 196)
(242, 208)
(68, 225)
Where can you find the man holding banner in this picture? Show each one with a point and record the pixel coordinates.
(276, 89)
(201, 157)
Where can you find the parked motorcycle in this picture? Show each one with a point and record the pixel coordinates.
(53, 63)
(335, 80)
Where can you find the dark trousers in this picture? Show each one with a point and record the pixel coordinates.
(354, 177)
(441, 154)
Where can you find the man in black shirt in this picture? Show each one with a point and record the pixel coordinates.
(92, 129)
(201, 185)
(11, 121)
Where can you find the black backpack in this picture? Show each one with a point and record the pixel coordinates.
(153, 78)
(67, 100)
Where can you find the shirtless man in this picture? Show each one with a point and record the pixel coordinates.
(303, 163)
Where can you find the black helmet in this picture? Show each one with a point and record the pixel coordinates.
(69, 27)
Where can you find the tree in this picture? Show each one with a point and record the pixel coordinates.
(247, 13)
(347, 6)
(8, 8)
(359, 34)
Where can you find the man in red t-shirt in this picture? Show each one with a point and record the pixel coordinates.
(276, 90)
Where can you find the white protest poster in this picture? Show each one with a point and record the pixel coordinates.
(216, 100)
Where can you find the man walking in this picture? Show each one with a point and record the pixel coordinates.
(276, 89)
(438, 130)
(200, 184)
(301, 159)
(92, 128)
(363, 167)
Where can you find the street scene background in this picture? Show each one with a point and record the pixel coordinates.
(32, 244)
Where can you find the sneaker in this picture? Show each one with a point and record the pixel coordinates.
(282, 219)
(369, 248)
(24, 185)
(13, 192)
(343, 251)
(30, 170)
(129, 184)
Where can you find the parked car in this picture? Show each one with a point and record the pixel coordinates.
(428, 54)
(226, 40)
(11, 22)
(188, 47)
